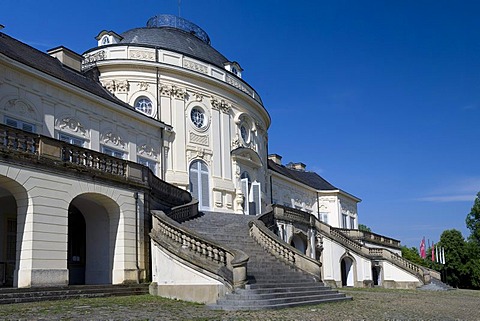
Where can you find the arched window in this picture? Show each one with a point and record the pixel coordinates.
(199, 186)
(144, 105)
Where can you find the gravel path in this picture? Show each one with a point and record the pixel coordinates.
(367, 304)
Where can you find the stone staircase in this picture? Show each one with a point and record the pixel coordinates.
(271, 283)
(21, 295)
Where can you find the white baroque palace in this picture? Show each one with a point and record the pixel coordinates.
(104, 154)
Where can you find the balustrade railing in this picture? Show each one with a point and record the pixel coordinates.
(56, 153)
(283, 251)
(204, 253)
(371, 237)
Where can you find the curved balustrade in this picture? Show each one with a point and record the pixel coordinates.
(371, 237)
(206, 254)
(283, 213)
(282, 250)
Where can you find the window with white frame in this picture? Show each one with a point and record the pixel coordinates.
(20, 124)
(323, 216)
(344, 221)
(352, 222)
(71, 139)
(199, 183)
(149, 163)
(252, 204)
(113, 152)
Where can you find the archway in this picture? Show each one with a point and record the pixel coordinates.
(377, 275)
(13, 210)
(299, 242)
(92, 233)
(346, 266)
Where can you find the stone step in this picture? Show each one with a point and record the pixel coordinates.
(271, 283)
(20, 295)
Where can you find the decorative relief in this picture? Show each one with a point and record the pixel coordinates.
(195, 66)
(147, 150)
(122, 86)
(199, 153)
(142, 55)
(109, 85)
(237, 84)
(17, 106)
(199, 139)
(73, 125)
(143, 85)
(218, 104)
(113, 139)
(173, 91)
(90, 59)
(237, 142)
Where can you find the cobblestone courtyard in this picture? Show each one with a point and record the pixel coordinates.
(367, 304)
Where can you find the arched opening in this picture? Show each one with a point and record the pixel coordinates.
(299, 242)
(199, 187)
(346, 266)
(13, 210)
(377, 275)
(92, 233)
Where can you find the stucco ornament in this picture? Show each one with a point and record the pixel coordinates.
(19, 107)
(143, 85)
(113, 139)
(122, 86)
(147, 150)
(319, 242)
(73, 125)
(220, 104)
(109, 85)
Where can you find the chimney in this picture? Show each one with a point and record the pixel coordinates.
(277, 159)
(67, 57)
(297, 166)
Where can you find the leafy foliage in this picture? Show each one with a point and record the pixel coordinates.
(473, 220)
(363, 227)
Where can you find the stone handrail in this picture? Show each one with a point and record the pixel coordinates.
(184, 212)
(283, 251)
(229, 264)
(371, 237)
(294, 215)
(55, 153)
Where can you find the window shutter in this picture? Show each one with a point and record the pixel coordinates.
(194, 180)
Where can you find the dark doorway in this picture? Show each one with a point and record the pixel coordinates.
(76, 246)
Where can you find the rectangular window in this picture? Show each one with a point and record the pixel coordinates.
(20, 124)
(344, 221)
(323, 216)
(113, 152)
(71, 140)
(149, 163)
(352, 222)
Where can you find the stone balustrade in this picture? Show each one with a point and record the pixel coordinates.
(40, 150)
(205, 254)
(282, 250)
(371, 237)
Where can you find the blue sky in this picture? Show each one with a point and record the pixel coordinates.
(381, 98)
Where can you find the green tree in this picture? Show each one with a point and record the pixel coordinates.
(412, 255)
(455, 257)
(472, 250)
(363, 227)
(473, 220)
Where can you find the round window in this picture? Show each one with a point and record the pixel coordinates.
(198, 117)
(144, 105)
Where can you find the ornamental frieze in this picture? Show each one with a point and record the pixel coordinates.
(143, 85)
(195, 66)
(199, 139)
(199, 153)
(92, 58)
(173, 91)
(142, 55)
